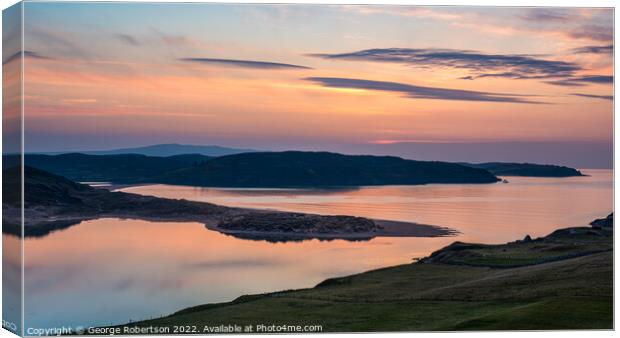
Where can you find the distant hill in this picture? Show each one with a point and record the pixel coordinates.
(526, 169)
(277, 169)
(127, 168)
(313, 169)
(173, 149)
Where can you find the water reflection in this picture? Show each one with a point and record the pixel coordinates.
(286, 239)
(490, 213)
(110, 270)
(107, 271)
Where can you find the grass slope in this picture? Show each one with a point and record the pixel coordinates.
(562, 281)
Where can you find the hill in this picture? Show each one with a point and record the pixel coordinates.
(558, 282)
(173, 149)
(126, 168)
(52, 202)
(268, 169)
(526, 169)
(314, 169)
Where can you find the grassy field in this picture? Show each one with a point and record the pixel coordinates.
(562, 281)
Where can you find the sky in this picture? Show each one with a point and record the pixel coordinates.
(364, 79)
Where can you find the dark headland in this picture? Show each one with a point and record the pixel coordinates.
(277, 169)
(526, 169)
(265, 169)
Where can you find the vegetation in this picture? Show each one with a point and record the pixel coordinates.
(52, 202)
(603, 222)
(526, 169)
(319, 169)
(276, 169)
(273, 169)
(125, 168)
(298, 222)
(561, 281)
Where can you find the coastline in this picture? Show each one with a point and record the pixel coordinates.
(474, 286)
(42, 221)
(388, 229)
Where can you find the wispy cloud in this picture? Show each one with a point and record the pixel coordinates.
(607, 79)
(607, 49)
(128, 39)
(602, 97)
(419, 92)
(64, 43)
(517, 66)
(565, 83)
(593, 32)
(27, 54)
(568, 23)
(245, 63)
(583, 80)
(546, 15)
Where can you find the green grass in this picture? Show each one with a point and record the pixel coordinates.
(442, 293)
(562, 244)
(584, 312)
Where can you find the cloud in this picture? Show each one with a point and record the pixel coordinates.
(58, 42)
(546, 15)
(607, 49)
(595, 79)
(583, 80)
(565, 83)
(593, 32)
(508, 66)
(517, 66)
(245, 63)
(420, 92)
(602, 97)
(572, 23)
(174, 40)
(128, 39)
(27, 54)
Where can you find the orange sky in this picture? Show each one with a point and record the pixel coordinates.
(103, 76)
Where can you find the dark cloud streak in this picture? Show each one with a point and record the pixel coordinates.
(516, 66)
(608, 49)
(583, 80)
(605, 79)
(546, 15)
(593, 32)
(565, 83)
(245, 63)
(602, 97)
(128, 39)
(420, 92)
(27, 54)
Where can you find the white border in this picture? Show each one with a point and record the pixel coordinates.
(496, 3)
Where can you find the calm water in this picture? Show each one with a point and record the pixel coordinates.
(112, 271)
